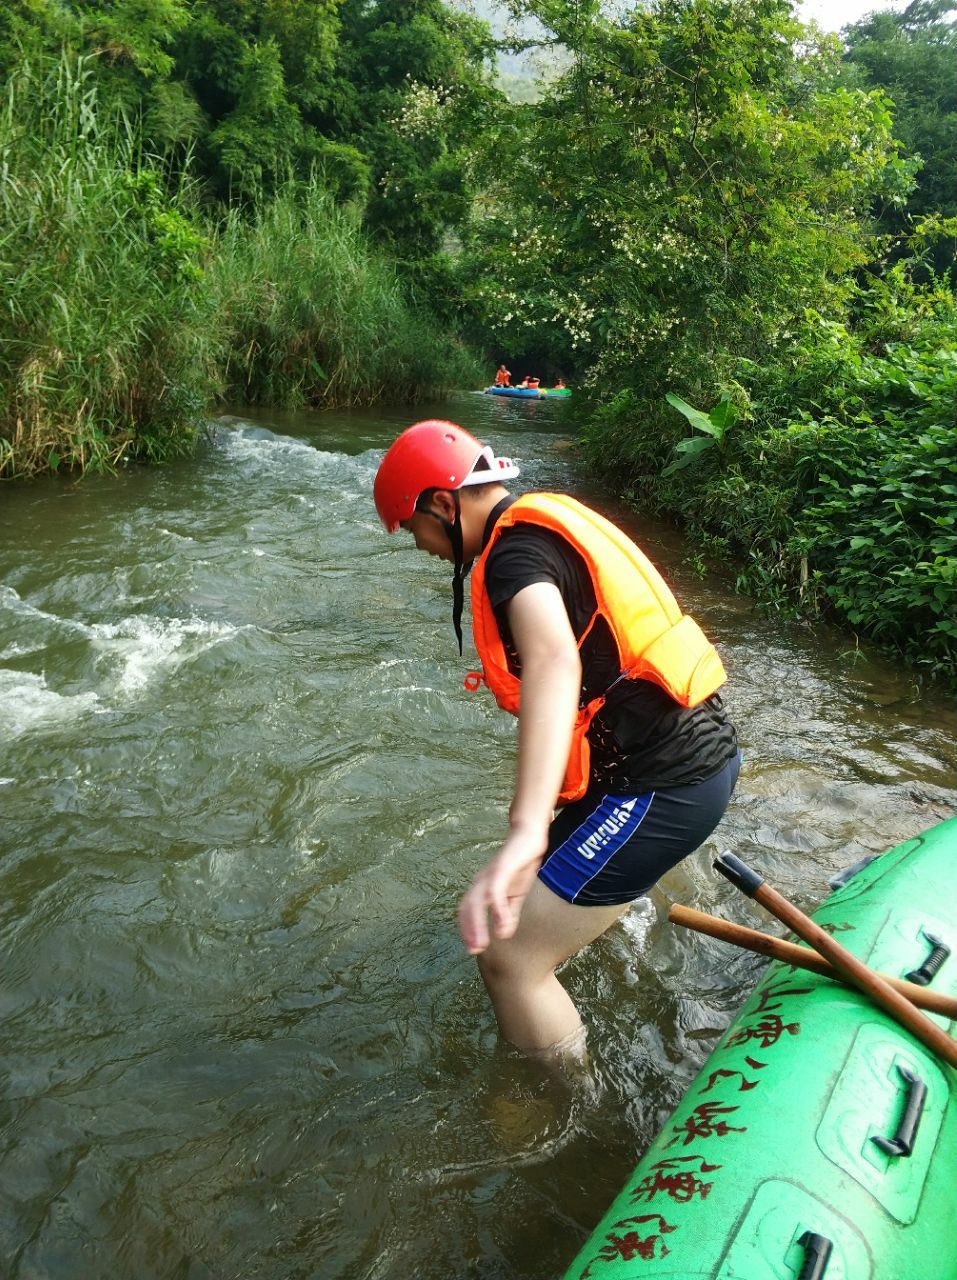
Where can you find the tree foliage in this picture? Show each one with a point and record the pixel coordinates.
(383, 99)
(692, 184)
(416, 89)
(912, 56)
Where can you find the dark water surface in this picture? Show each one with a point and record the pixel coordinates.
(241, 788)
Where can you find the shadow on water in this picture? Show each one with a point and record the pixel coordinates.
(242, 788)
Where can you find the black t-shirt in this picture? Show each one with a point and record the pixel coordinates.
(641, 739)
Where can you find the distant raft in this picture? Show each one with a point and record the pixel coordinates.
(820, 1138)
(558, 391)
(518, 393)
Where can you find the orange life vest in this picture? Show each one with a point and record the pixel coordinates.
(655, 640)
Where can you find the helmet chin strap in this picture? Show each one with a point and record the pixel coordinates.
(453, 531)
(461, 570)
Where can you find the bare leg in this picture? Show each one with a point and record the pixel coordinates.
(533, 1009)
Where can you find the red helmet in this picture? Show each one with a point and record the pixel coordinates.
(431, 455)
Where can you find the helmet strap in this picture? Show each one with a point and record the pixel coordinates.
(453, 530)
(461, 569)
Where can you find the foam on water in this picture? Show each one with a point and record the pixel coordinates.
(26, 702)
(274, 452)
(142, 647)
(18, 650)
(348, 476)
(637, 921)
(148, 646)
(12, 601)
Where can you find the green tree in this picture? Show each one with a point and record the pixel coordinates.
(384, 99)
(694, 182)
(259, 73)
(130, 45)
(415, 91)
(132, 41)
(29, 28)
(255, 145)
(912, 55)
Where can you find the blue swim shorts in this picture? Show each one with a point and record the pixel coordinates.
(608, 849)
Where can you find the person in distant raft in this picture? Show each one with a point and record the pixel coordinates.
(620, 724)
(503, 376)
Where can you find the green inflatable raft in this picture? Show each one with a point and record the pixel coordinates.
(819, 1141)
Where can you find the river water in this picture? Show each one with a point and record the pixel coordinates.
(241, 788)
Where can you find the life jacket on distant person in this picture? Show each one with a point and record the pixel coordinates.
(655, 640)
(560, 385)
(532, 382)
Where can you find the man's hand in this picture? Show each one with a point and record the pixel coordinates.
(500, 888)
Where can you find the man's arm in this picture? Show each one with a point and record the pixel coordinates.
(551, 685)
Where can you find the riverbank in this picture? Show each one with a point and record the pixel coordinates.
(828, 478)
(133, 310)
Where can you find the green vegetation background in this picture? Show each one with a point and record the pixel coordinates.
(733, 234)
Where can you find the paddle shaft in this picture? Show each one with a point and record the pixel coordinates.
(788, 953)
(858, 974)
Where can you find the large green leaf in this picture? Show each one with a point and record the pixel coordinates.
(723, 416)
(700, 421)
(689, 450)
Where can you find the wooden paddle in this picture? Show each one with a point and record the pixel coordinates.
(802, 957)
(848, 966)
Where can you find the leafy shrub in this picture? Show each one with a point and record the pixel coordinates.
(837, 488)
(127, 315)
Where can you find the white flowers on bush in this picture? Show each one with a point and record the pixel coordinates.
(421, 109)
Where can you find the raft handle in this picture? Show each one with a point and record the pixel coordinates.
(931, 965)
(902, 1143)
(817, 1254)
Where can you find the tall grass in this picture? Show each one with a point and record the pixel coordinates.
(126, 315)
(311, 315)
(104, 337)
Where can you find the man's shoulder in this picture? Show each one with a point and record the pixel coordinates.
(525, 534)
(530, 552)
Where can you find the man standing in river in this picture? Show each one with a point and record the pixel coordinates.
(620, 722)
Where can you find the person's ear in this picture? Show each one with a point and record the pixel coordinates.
(444, 504)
